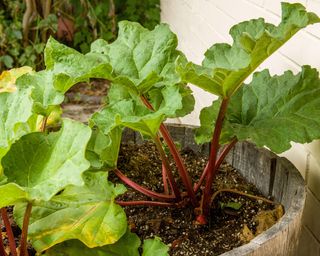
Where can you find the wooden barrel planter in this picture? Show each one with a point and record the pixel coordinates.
(273, 176)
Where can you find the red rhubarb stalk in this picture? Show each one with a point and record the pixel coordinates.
(166, 164)
(221, 157)
(142, 189)
(24, 234)
(180, 165)
(164, 179)
(6, 222)
(214, 147)
(145, 203)
(203, 175)
(2, 249)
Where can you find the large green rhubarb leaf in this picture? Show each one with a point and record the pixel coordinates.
(128, 245)
(225, 67)
(144, 61)
(65, 68)
(87, 213)
(42, 165)
(144, 57)
(272, 111)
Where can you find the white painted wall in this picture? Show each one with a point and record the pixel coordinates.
(201, 23)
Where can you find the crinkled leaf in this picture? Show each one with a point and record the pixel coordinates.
(65, 68)
(71, 67)
(128, 113)
(147, 83)
(155, 246)
(103, 149)
(225, 67)
(44, 94)
(145, 57)
(170, 100)
(44, 164)
(16, 118)
(8, 78)
(86, 213)
(128, 245)
(174, 101)
(188, 102)
(118, 92)
(277, 110)
(272, 111)
(127, 85)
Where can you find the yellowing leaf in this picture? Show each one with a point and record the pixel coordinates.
(87, 213)
(246, 235)
(8, 78)
(265, 220)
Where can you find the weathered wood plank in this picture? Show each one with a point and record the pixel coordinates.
(253, 164)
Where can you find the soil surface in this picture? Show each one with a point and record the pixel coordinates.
(176, 226)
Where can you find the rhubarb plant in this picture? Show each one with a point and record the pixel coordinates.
(57, 179)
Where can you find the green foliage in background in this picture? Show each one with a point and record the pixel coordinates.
(74, 22)
(147, 13)
(12, 51)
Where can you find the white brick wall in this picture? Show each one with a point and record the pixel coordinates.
(201, 23)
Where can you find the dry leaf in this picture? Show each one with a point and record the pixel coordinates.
(266, 219)
(246, 234)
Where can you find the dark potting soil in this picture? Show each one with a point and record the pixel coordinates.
(176, 227)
